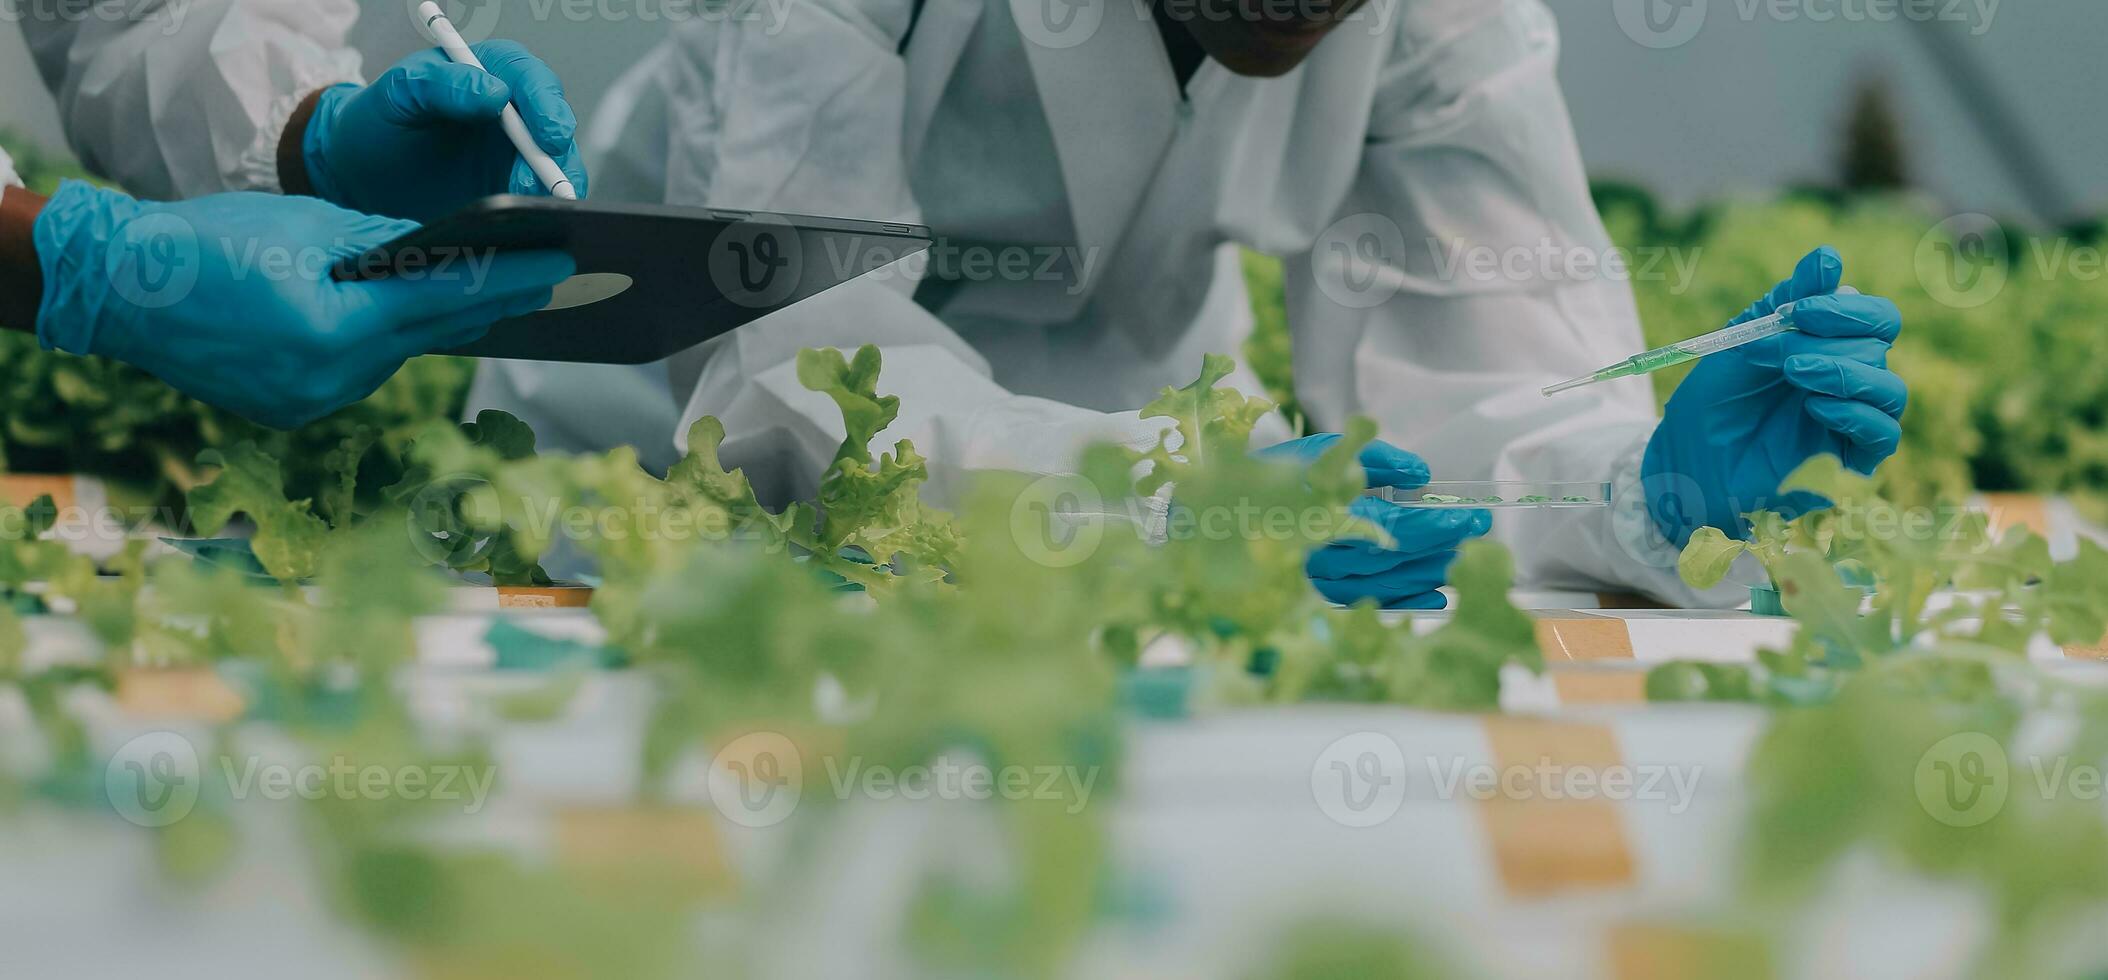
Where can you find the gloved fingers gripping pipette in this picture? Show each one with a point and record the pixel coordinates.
(1742, 421)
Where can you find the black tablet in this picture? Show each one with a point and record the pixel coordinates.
(652, 280)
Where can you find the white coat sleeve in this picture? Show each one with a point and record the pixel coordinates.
(177, 98)
(1467, 269)
(808, 119)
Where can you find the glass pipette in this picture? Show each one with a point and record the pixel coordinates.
(1686, 350)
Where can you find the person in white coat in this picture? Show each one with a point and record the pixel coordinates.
(1091, 168)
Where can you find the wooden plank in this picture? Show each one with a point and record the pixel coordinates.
(544, 597)
(1626, 600)
(1581, 637)
(184, 693)
(655, 841)
(22, 489)
(1578, 687)
(2081, 651)
(1641, 951)
(1544, 846)
(2008, 510)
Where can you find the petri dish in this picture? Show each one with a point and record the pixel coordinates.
(1498, 493)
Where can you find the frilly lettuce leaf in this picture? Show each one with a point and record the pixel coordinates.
(1707, 557)
(288, 539)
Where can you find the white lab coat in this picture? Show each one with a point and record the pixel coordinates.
(1435, 124)
(177, 98)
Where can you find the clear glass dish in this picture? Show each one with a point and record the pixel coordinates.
(1498, 493)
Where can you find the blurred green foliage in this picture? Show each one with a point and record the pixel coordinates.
(1268, 350)
(1000, 638)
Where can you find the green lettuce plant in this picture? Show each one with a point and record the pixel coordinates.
(2010, 590)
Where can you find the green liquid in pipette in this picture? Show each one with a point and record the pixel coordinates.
(1648, 363)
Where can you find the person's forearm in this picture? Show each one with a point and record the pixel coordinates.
(21, 277)
(292, 156)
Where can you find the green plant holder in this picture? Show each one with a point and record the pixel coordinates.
(1764, 600)
(1162, 693)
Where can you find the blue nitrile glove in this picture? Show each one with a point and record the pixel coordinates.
(1746, 418)
(229, 297)
(1406, 573)
(424, 141)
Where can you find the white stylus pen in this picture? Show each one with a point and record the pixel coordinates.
(552, 176)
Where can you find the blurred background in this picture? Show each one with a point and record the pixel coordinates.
(1770, 96)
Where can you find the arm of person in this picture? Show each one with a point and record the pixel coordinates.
(1497, 278)
(21, 279)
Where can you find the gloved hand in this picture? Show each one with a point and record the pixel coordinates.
(229, 297)
(1405, 574)
(1746, 418)
(424, 141)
